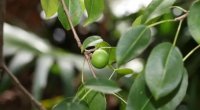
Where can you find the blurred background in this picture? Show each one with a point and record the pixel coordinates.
(47, 61)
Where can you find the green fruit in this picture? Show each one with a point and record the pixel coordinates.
(100, 58)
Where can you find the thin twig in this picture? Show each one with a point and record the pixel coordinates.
(71, 24)
(22, 89)
(76, 37)
(182, 17)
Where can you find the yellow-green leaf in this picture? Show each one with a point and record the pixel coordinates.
(50, 7)
(94, 10)
(75, 11)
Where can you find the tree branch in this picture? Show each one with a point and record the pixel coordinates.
(71, 24)
(4, 68)
(76, 37)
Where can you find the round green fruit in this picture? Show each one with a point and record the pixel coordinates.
(100, 58)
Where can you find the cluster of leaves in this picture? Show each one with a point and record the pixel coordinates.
(76, 8)
(163, 83)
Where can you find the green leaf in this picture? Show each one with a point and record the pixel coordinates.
(163, 70)
(132, 43)
(50, 7)
(102, 44)
(140, 98)
(112, 55)
(94, 9)
(102, 85)
(75, 11)
(194, 21)
(179, 96)
(137, 21)
(66, 105)
(96, 101)
(124, 71)
(156, 8)
(91, 41)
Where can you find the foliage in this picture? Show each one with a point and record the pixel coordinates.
(163, 83)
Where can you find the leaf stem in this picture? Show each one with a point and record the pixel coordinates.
(177, 32)
(111, 75)
(119, 97)
(160, 22)
(85, 95)
(180, 8)
(77, 95)
(191, 52)
(169, 20)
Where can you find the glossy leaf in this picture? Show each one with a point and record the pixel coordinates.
(156, 8)
(43, 66)
(102, 85)
(163, 70)
(66, 105)
(75, 11)
(124, 71)
(194, 22)
(96, 101)
(102, 44)
(112, 55)
(179, 95)
(91, 41)
(132, 43)
(50, 7)
(94, 9)
(140, 98)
